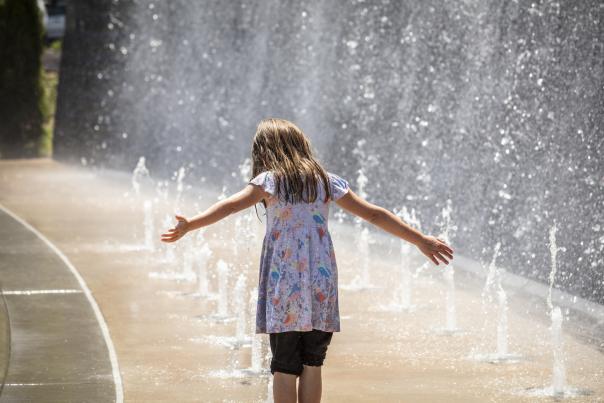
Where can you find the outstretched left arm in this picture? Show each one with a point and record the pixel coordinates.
(243, 199)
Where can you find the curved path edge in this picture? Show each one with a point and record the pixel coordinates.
(4, 327)
(117, 379)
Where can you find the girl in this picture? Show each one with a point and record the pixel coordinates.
(298, 287)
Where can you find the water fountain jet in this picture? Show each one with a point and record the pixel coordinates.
(222, 307)
(203, 256)
(558, 387)
(140, 174)
(149, 225)
(494, 286)
(450, 327)
(402, 297)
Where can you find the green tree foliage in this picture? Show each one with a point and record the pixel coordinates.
(21, 93)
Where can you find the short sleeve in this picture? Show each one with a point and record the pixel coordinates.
(266, 181)
(338, 186)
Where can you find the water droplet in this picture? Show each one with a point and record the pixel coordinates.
(505, 195)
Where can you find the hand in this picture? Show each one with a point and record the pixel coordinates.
(174, 234)
(435, 249)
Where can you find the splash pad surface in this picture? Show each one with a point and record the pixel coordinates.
(169, 347)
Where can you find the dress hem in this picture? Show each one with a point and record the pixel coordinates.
(333, 330)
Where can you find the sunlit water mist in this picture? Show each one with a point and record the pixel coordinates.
(413, 130)
(479, 112)
(481, 108)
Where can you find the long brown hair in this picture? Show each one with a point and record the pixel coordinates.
(281, 147)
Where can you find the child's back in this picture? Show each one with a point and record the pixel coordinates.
(298, 288)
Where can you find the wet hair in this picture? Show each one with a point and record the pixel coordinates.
(281, 147)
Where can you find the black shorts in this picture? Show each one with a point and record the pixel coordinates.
(292, 350)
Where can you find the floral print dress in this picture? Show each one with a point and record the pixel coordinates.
(298, 285)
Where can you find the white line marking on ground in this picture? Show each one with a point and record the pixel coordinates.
(117, 378)
(40, 384)
(36, 292)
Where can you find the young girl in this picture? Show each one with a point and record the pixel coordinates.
(298, 287)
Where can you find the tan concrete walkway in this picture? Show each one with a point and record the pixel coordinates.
(159, 339)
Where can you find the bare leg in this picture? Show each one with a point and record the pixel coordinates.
(309, 390)
(284, 388)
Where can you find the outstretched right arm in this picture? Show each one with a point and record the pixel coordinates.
(434, 248)
(243, 199)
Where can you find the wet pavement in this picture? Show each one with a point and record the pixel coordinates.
(53, 348)
(163, 336)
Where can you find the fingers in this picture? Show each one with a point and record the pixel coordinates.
(171, 232)
(446, 253)
(431, 257)
(445, 246)
(171, 237)
(441, 258)
(174, 234)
